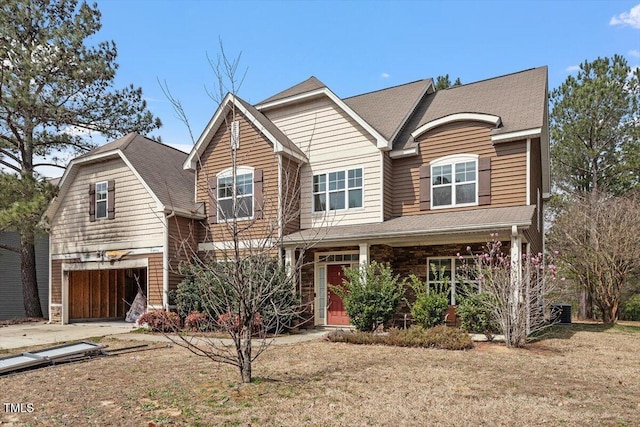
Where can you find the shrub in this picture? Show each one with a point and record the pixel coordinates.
(202, 294)
(631, 310)
(441, 337)
(430, 306)
(371, 302)
(160, 320)
(476, 315)
(197, 321)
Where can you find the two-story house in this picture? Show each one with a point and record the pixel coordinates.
(405, 175)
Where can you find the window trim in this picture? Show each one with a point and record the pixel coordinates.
(453, 160)
(454, 278)
(327, 192)
(226, 173)
(105, 200)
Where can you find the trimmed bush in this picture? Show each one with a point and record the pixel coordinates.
(371, 302)
(197, 321)
(476, 315)
(160, 321)
(430, 307)
(441, 337)
(631, 310)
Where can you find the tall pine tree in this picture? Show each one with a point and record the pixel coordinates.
(54, 88)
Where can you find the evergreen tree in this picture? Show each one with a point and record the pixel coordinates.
(55, 88)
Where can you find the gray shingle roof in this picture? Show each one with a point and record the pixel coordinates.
(160, 166)
(427, 224)
(518, 98)
(308, 85)
(387, 109)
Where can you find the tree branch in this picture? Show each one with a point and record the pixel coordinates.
(10, 248)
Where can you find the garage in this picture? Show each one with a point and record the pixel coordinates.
(104, 294)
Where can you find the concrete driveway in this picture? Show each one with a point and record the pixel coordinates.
(33, 334)
(41, 333)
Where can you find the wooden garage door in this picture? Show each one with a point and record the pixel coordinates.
(103, 294)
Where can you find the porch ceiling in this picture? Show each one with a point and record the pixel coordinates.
(452, 224)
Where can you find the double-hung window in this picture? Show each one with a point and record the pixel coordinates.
(102, 192)
(338, 190)
(454, 181)
(240, 190)
(450, 275)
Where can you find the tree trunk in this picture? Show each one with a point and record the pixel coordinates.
(245, 369)
(585, 305)
(30, 296)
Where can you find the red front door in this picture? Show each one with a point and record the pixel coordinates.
(336, 313)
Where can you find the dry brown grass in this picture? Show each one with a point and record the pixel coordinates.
(586, 375)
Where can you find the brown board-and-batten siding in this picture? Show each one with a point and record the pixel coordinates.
(508, 165)
(254, 151)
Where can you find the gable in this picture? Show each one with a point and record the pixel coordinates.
(137, 222)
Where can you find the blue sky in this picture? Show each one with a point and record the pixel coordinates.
(352, 46)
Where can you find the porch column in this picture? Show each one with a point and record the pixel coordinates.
(289, 254)
(364, 254)
(364, 260)
(516, 269)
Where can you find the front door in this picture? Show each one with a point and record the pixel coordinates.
(336, 313)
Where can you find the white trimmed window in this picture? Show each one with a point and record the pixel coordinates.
(342, 189)
(440, 274)
(241, 191)
(102, 193)
(454, 181)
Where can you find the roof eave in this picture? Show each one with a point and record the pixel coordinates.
(412, 233)
(516, 135)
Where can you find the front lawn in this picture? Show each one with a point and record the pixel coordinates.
(583, 375)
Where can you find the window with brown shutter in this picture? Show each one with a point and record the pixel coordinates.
(258, 198)
(484, 181)
(425, 187)
(92, 202)
(111, 199)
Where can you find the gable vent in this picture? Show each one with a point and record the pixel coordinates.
(235, 135)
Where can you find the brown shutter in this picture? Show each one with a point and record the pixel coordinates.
(212, 184)
(425, 187)
(92, 202)
(484, 181)
(111, 199)
(258, 197)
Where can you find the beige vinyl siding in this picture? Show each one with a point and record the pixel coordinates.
(255, 151)
(508, 165)
(332, 141)
(136, 223)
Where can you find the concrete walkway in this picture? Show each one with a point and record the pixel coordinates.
(41, 333)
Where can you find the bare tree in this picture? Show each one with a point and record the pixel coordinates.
(240, 282)
(519, 291)
(597, 238)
